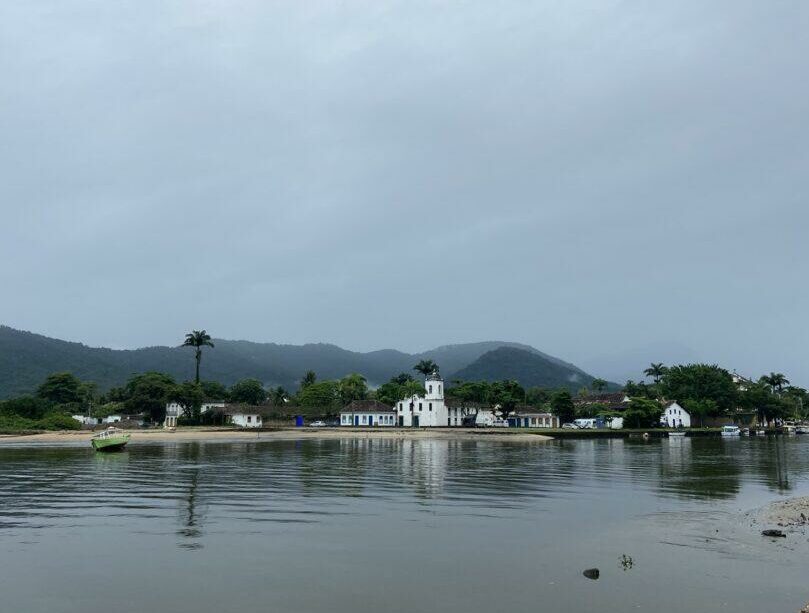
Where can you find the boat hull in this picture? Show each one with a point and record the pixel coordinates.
(116, 443)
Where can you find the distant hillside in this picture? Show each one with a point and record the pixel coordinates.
(530, 368)
(27, 358)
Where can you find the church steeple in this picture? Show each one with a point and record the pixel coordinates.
(434, 385)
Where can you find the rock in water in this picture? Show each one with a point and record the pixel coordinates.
(778, 533)
(592, 573)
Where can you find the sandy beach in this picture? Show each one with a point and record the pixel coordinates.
(228, 435)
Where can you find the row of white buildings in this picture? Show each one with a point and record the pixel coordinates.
(433, 410)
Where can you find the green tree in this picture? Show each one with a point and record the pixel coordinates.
(279, 396)
(412, 388)
(656, 371)
(701, 409)
(190, 396)
(308, 379)
(148, 393)
(701, 382)
(197, 339)
(214, 390)
(61, 388)
(389, 393)
(776, 381)
(761, 399)
(352, 387)
(562, 406)
(598, 385)
(642, 413)
(322, 395)
(248, 391)
(25, 406)
(402, 378)
(426, 367)
(537, 396)
(507, 394)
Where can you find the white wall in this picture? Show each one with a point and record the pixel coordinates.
(675, 416)
(386, 419)
(246, 420)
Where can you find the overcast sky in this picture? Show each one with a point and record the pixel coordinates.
(610, 182)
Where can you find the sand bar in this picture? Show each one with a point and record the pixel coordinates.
(227, 435)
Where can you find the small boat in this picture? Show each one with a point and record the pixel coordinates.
(746, 432)
(731, 431)
(677, 434)
(802, 429)
(790, 429)
(111, 439)
(761, 432)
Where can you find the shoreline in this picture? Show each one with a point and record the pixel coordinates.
(280, 434)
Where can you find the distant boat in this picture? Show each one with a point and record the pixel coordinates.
(790, 429)
(731, 431)
(676, 433)
(761, 432)
(111, 439)
(802, 429)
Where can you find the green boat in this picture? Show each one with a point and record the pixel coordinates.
(111, 439)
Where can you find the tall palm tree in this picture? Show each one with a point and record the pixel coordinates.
(308, 379)
(197, 339)
(598, 384)
(426, 367)
(656, 371)
(776, 381)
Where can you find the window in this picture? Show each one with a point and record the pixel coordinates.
(419, 406)
(431, 406)
(249, 418)
(439, 389)
(400, 406)
(430, 389)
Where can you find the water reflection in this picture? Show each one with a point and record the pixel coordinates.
(302, 482)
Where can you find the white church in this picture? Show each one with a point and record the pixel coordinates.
(425, 411)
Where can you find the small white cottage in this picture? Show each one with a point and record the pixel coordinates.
(675, 416)
(175, 410)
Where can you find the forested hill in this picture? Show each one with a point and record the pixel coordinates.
(530, 368)
(27, 358)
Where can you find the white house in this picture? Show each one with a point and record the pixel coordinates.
(428, 410)
(174, 410)
(534, 419)
(243, 417)
(86, 420)
(675, 416)
(367, 413)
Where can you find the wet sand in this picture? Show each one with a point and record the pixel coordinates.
(792, 514)
(227, 435)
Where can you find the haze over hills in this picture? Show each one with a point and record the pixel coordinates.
(27, 358)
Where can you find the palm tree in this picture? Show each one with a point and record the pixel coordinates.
(426, 367)
(776, 381)
(309, 378)
(197, 339)
(598, 384)
(656, 371)
(279, 395)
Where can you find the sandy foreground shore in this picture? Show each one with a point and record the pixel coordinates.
(227, 435)
(791, 514)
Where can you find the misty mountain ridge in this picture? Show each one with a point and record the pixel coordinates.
(27, 358)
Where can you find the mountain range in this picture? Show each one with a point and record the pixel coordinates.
(27, 358)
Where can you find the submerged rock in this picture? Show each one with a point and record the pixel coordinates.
(592, 573)
(777, 533)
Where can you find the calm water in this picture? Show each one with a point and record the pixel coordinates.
(410, 526)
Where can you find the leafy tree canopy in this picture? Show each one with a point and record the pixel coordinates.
(701, 382)
(248, 391)
(61, 388)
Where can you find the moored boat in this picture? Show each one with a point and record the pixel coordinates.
(111, 439)
(677, 434)
(802, 429)
(731, 431)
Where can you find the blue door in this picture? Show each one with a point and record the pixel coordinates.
(356, 420)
